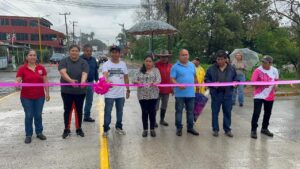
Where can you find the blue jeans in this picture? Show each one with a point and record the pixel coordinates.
(239, 90)
(33, 110)
(188, 103)
(109, 103)
(88, 102)
(219, 99)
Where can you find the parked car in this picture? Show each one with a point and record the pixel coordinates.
(102, 59)
(57, 57)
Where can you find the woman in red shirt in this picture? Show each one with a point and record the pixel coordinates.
(33, 98)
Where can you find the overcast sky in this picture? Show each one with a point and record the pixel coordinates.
(102, 21)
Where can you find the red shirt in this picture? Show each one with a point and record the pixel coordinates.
(165, 70)
(29, 76)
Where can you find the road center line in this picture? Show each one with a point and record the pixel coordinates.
(104, 150)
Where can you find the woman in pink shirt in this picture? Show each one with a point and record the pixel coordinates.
(263, 95)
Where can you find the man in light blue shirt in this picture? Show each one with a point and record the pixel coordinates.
(184, 72)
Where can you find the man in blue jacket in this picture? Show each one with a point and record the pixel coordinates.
(221, 72)
(93, 76)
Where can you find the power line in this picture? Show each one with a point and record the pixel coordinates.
(8, 12)
(90, 4)
(11, 13)
(11, 5)
(4, 9)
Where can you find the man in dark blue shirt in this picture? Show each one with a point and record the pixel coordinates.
(93, 76)
(221, 72)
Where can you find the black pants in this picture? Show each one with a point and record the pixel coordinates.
(148, 111)
(268, 105)
(73, 102)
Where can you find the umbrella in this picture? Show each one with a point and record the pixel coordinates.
(200, 102)
(152, 27)
(250, 57)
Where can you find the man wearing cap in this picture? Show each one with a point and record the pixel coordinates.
(221, 72)
(263, 95)
(164, 68)
(115, 71)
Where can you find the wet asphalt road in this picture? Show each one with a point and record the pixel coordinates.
(167, 150)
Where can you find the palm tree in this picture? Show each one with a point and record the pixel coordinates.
(92, 34)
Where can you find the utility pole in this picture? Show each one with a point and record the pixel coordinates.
(148, 10)
(167, 8)
(65, 14)
(124, 32)
(73, 35)
(148, 18)
(80, 39)
(40, 38)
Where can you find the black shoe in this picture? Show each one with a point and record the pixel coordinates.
(179, 132)
(66, 133)
(241, 105)
(164, 123)
(27, 140)
(215, 133)
(145, 133)
(156, 125)
(79, 132)
(89, 119)
(229, 134)
(193, 132)
(152, 133)
(267, 132)
(253, 134)
(41, 136)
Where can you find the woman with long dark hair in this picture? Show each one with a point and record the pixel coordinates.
(148, 95)
(73, 70)
(33, 98)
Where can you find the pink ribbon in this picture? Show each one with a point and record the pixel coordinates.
(216, 84)
(102, 86)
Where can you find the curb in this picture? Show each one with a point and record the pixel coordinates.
(287, 94)
(280, 94)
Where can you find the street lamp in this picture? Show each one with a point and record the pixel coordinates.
(40, 36)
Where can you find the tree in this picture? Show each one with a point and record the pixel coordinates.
(211, 27)
(206, 26)
(92, 34)
(121, 38)
(256, 18)
(290, 9)
(100, 45)
(88, 38)
(280, 44)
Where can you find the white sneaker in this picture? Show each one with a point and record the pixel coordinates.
(105, 134)
(120, 131)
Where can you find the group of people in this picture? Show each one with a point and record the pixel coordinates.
(79, 70)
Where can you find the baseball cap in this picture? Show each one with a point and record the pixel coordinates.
(267, 59)
(115, 48)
